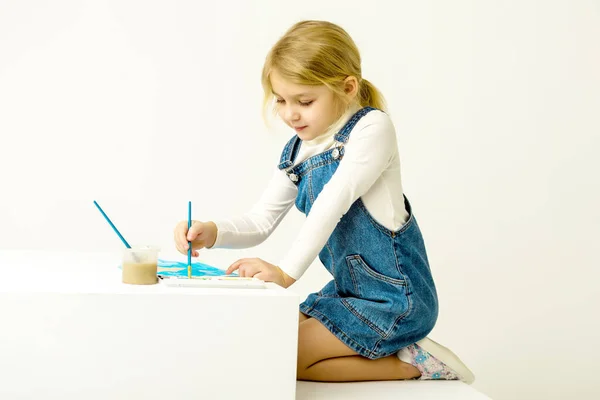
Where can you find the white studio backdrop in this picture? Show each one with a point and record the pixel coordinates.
(143, 106)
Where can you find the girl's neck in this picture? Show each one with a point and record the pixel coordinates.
(335, 127)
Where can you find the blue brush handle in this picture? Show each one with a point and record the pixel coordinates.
(112, 225)
(189, 226)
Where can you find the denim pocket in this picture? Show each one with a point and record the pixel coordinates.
(378, 300)
(361, 272)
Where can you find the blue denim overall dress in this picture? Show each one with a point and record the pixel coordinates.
(382, 297)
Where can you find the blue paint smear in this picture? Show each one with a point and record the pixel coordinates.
(176, 268)
(179, 269)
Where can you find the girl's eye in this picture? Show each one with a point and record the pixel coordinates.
(302, 103)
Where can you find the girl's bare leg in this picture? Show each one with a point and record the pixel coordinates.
(323, 357)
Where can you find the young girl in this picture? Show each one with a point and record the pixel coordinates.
(342, 170)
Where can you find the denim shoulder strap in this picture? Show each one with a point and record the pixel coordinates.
(343, 135)
(288, 155)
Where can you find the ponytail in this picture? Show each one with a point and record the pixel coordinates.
(369, 95)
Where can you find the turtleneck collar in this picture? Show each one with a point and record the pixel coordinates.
(334, 128)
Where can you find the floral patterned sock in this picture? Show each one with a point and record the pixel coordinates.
(429, 366)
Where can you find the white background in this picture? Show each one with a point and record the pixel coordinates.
(144, 105)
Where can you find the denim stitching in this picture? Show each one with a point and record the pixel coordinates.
(409, 222)
(289, 153)
(376, 224)
(402, 316)
(399, 318)
(315, 302)
(310, 190)
(370, 324)
(404, 284)
(306, 168)
(320, 293)
(407, 289)
(284, 161)
(397, 321)
(396, 258)
(301, 169)
(362, 350)
(295, 148)
(332, 259)
(375, 274)
(345, 132)
(353, 277)
(311, 163)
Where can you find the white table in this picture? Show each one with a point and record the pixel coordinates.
(69, 329)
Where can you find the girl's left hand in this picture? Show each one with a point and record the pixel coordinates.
(255, 267)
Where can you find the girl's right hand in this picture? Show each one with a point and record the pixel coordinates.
(201, 234)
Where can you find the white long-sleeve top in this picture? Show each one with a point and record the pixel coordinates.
(369, 169)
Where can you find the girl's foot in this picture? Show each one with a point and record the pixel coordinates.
(435, 361)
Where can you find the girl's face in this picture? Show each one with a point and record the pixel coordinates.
(309, 110)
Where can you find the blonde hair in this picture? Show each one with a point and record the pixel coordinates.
(317, 53)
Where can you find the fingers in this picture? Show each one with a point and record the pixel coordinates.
(247, 270)
(247, 267)
(195, 231)
(234, 267)
(183, 235)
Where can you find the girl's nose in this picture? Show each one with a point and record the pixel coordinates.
(292, 115)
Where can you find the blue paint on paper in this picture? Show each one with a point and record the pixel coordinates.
(179, 269)
(176, 268)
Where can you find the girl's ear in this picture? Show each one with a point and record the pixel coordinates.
(351, 86)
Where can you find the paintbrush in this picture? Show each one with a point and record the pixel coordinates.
(189, 242)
